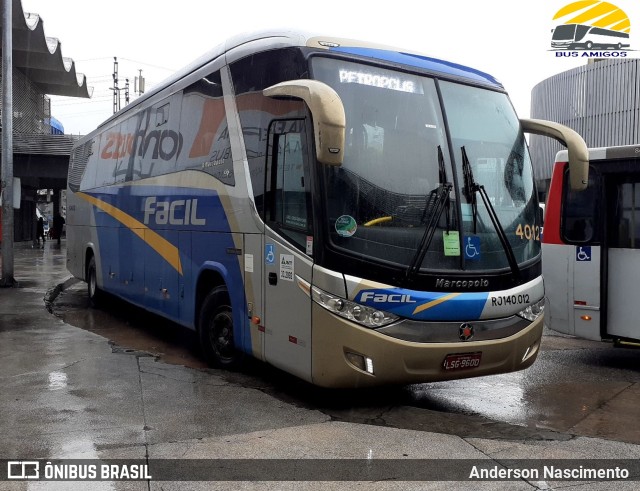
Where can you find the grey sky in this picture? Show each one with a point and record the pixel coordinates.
(510, 40)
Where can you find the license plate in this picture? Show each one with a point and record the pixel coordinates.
(462, 361)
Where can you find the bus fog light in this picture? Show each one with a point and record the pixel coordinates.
(532, 312)
(356, 360)
(530, 351)
(361, 362)
(369, 363)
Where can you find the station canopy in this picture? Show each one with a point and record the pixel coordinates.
(40, 57)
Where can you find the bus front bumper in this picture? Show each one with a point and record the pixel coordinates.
(338, 346)
(561, 44)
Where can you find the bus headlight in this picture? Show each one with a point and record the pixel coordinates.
(532, 312)
(355, 312)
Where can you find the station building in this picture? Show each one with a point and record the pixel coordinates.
(601, 101)
(40, 148)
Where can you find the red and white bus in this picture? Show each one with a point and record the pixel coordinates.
(591, 248)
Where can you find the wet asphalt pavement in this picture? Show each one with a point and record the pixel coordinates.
(116, 382)
(576, 387)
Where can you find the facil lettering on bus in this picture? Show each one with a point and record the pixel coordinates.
(176, 212)
(386, 298)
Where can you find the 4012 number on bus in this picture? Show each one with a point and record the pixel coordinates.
(528, 232)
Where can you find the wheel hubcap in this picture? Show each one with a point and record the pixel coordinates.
(221, 334)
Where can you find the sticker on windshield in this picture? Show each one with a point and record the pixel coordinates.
(451, 242)
(346, 226)
(472, 247)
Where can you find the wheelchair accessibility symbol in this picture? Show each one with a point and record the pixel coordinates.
(583, 253)
(269, 253)
(472, 248)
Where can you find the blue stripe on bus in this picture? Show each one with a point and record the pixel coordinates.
(424, 62)
(196, 245)
(426, 306)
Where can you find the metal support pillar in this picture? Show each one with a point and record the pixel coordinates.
(6, 176)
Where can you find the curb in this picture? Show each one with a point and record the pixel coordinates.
(53, 293)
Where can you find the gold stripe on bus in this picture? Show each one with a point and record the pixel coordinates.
(158, 243)
(433, 303)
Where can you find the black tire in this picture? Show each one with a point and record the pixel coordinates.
(94, 293)
(215, 331)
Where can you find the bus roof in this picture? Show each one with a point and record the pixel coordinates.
(606, 153)
(271, 39)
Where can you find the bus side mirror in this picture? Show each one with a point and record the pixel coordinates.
(327, 111)
(577, 148)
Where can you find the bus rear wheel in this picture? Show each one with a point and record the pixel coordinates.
(93, 291)
(215, 330)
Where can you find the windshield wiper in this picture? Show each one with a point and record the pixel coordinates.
(436, 202)
(470, 189)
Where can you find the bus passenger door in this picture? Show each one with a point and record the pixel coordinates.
(572, 272)
(288, 243)
(623, 256)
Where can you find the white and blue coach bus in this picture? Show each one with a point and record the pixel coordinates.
(350, 213)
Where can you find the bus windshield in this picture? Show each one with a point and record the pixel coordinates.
(564, 32)
(399, 155)
(570, 32)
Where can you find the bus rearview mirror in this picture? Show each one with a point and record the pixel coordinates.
(329, 120)
(576, 147)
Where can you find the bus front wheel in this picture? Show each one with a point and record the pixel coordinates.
(93, 291)
(215, 330)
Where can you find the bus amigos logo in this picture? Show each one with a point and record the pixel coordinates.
(587, 25)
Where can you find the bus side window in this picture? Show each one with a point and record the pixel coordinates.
(203, 126)
(110, 145)
(250, 75)
(580, 211)
(158, 141)
(287, 187)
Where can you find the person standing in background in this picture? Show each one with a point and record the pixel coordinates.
(58, 223)
(40, 231)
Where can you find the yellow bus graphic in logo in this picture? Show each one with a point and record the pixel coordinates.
(591, 24)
